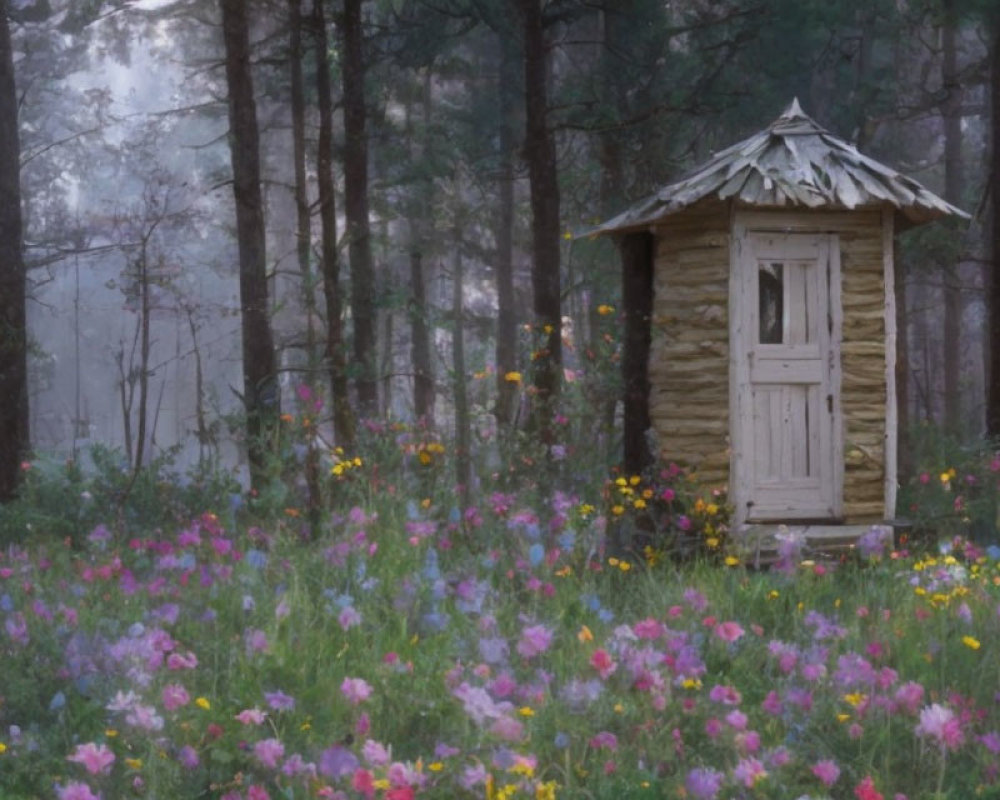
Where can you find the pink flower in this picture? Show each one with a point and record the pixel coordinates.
(603, 663)
(749, 771)
(269, 752)
(76, 791)
(827, 771)
(939, 722)
(174, 696)
(534, 640)
(257, 792)
(178, 661)
(727, 695)
(729, 631)
(648, 628)
(375, 753)
(604, 739)
(251, 716)
(96, 758)
(348, 618)
(356, 690)
(508, 729)
(363, 782)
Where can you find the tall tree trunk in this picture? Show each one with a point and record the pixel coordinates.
(145, 311)
(420, 340)
(343, 418)
(261, 394)
(463, 464)
(993, 402)
(612, 181)
(637, 297)
(13, 323)
(951, 112)
(506, 342)
(359, 246)
(540, 154)
(420, 343)
(302, 248)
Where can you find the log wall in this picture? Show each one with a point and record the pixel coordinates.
(689, 357)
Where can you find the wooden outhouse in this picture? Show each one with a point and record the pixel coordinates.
(760, 293)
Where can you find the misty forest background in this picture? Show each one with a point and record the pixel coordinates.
(213, 212)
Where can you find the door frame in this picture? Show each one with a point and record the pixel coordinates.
(740, 411)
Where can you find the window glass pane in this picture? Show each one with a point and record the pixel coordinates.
(770, 282)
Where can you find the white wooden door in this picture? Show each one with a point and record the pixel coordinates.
(789, 465)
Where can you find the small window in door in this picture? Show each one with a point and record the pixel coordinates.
(771, 289)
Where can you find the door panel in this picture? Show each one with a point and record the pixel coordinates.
(787, 385)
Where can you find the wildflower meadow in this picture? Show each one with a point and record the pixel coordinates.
(195, 641)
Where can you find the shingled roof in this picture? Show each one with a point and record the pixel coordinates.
(793, 162)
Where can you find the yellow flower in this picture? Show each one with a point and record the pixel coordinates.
(512, 377)
(639, 503)
(134, 763)
(604, 309)
(774, 594)
(711, 509)
(202, 702)
(843, 717)
(634, 480)
(526, 711)
(546, 791)
(613, 561)
(855, 699)
(945, 477)
(585, 635)
(381, 783)
(619, 708)
(732, 561)
(624, 566)
(621, 482)
(111, 733)
(521, 768)
(568, 235)
(617, 510)
(3, 748)
(971, 642)
(691, 683)
(712, 542)
(435, 766)
(586, 509)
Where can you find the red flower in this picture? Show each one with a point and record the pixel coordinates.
(866, 790)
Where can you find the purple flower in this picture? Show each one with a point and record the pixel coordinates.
(337, 761)
(535, 640)
(279, 701)
(188, 756)
(255, 641)
(704, 784)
